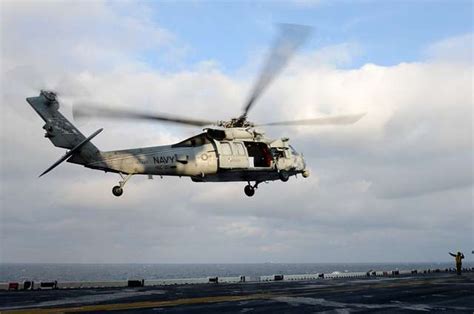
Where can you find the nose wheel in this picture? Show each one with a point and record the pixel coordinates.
(118, 189)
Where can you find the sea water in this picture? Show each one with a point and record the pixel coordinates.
(107, 272)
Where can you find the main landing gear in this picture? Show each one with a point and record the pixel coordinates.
(249, 189)
(118, 189)
(284, 175)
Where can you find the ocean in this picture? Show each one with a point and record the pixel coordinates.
(108, 272)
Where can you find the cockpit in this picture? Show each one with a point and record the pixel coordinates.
(293, 150)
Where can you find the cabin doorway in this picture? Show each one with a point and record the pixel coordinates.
(259, 154)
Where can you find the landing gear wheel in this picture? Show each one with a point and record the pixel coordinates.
(117, 190)
(284, 175)
(249, 190)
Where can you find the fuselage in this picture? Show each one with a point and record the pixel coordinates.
(160, 160)
(203, 158)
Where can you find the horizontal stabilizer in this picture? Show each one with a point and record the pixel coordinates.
(71, 152)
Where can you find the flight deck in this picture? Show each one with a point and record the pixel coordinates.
(391, 292)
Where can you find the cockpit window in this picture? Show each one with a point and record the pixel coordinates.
(194, 141)
(293, 151)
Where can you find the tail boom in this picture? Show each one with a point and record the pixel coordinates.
(62, 133)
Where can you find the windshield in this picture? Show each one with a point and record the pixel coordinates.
(293, 151)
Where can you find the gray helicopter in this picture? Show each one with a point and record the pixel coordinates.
(226, 151)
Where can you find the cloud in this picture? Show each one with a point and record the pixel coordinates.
(453, 49)
(399, 178)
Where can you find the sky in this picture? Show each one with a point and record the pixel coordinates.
(395, 187)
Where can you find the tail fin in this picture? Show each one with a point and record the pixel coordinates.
(61, 132)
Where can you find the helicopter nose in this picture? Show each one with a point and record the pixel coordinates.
(300, 162)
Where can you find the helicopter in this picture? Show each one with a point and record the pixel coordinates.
(225, 151)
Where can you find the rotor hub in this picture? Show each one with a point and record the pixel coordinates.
(236, 123)
(49, 95)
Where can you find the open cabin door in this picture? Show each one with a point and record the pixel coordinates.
(259, 155)
(232, 155)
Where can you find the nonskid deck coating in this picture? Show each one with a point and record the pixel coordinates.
(430, 292)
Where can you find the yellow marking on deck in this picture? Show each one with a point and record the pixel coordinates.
(144, 304)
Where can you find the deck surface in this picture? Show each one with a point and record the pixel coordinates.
(430, 292)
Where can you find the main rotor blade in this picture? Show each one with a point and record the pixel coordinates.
(109, 113)
(336, 120)
(290, 38)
